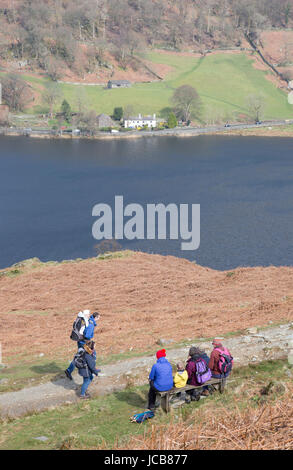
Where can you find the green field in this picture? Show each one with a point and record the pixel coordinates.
(222, 80)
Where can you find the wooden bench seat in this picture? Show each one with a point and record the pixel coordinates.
(165, 396)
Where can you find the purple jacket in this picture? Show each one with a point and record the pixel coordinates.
(191, 369)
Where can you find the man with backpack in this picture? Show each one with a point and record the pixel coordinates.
(83, 330)
(221, 360)
(198, 371)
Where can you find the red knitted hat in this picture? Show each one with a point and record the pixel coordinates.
(161, 353)
(217, 342)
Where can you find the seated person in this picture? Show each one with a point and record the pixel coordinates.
(220, 359)
(180, 380)
(196, 354)
(161, 378)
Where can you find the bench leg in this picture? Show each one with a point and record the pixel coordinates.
(222, 385)
(165, 403)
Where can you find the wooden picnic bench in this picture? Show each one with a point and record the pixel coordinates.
(165, 396)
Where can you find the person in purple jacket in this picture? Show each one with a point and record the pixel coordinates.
(196, 354)
(161, 378)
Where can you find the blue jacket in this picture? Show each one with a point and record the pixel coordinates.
(90, 367)
(90, 329)
(206, 358)
(161, 375)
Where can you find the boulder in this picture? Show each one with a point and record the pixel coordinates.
(164, 342)
(252, 331)
(290, 357)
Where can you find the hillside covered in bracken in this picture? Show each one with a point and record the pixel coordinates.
(266, 427)
(163, 296)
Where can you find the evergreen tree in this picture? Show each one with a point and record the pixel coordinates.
(66, 110)
(118, 114)
(172, 121)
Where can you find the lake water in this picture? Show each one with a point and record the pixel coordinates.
(243, 184)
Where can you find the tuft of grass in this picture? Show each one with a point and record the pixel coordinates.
(230, 274)
(115, 255)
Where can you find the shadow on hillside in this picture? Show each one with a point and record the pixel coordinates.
(58, 378)
(50, 368)
(138, 400)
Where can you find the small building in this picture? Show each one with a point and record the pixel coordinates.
(119, 84)
(140, 121)
(103, 120)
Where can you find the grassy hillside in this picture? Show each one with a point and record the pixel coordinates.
(104, 421)
(223, 81)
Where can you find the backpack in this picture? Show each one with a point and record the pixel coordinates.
(76, 327)
(79, 359)
(203, 373)
(225, 361)
(141, 417)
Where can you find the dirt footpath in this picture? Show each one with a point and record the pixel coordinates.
(255, 346)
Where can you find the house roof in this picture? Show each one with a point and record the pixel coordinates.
(141, 118)
(120, 82)
(104, 120)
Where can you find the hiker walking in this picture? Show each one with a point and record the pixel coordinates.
(83, 330)
(161, 378)
(85, 361)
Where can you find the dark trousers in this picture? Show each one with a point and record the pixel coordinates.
(152, 396)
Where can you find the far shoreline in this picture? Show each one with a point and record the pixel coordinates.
(270, 129)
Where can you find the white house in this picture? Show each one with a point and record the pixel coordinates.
(140, 121)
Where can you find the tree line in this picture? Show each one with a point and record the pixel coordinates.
(83, 35)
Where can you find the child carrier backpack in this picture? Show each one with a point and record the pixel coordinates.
(141, 417)
(79, 359)
(203, 373)
(225, 361)
(76, 327)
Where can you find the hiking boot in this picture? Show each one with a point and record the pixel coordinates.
(211, 389)
(195, 397)
(187, 400)
(68, 375)
(84, 397)
(205, 393)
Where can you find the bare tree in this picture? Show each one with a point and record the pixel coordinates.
(52, 95)
(256, 106)
(187, 102)
(53, 67)
(128, 111)
(16, 92)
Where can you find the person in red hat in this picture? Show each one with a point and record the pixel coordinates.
(161, 378)
(221, 360)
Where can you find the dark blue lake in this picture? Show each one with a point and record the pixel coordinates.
(243, 184)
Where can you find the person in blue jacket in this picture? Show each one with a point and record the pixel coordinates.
(87, 334)
(161, 378)
(89, 368)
